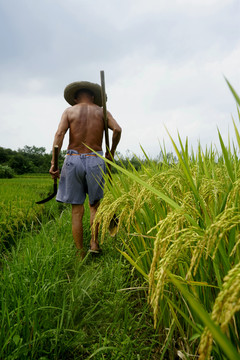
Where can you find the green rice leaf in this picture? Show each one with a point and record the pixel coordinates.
(236, 133)
(226, 158)
(181, 331)
(237, 98)
(183, 159)
(219, 337)
(134, 264)
(185, 316)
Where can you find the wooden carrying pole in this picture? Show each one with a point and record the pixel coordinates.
(104, 100)
(113, 225)
(104, 109)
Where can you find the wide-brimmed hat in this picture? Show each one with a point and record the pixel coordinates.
(71, 89)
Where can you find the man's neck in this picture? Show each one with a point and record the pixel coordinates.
(84, 100)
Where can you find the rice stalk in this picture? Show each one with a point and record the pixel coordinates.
(226, 305)
(181, 218)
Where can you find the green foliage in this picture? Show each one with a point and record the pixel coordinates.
(5, 155)
(6, 172)
(30, 159)
(184, 219)
(178, 226)
(214, 330)
(54, 306)
(18, 209)
(20, 164)
(37, 158)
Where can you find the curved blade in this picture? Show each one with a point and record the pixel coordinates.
(55, 180)
(49, 197)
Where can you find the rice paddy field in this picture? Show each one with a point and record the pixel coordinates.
(17, 203)
(167, 285)
(54, 306)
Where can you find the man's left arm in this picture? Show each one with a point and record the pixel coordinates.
(116, 136)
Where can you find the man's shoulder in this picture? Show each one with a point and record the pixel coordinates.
(75, 111)
(81, 105)
(71, 110)
(68, 109)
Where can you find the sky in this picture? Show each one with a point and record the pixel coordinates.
(164, 64)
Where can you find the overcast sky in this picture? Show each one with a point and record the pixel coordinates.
(164, 62)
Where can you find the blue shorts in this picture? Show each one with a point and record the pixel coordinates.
(81, 174)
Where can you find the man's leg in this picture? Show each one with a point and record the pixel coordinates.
(77, 227)
(94, 245)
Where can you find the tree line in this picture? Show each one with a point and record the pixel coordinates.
(32, 159)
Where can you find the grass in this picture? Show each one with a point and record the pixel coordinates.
(54, 306)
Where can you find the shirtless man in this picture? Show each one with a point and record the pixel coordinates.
(82, 170)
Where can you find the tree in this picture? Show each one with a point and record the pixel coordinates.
(6, 172)
(21, 165)
(5, 155)
(33, 150)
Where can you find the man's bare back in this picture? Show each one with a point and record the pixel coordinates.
(86, 126)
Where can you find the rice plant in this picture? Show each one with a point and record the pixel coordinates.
(182, 218)
(19, 211)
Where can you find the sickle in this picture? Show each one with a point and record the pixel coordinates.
(55, 180)
(103, 93)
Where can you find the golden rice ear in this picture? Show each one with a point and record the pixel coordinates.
(113, 226)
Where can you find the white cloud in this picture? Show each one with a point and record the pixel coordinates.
(164, 63)
(191, 98)
(29, 120)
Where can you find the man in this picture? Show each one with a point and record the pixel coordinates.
(82, 171)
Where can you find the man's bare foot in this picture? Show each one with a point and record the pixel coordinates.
(94, 248)
(95, 252)
(80, 254)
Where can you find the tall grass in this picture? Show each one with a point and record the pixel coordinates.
(54, 306)
(179, 223)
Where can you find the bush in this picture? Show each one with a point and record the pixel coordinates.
(6, 172)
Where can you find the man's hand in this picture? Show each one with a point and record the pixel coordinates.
(54, 174)
(109, 155)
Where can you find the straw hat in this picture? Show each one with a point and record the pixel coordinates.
(71, 89)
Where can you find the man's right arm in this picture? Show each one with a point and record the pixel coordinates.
(58, 140)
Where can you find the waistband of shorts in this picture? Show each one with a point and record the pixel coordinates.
(74, 152)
